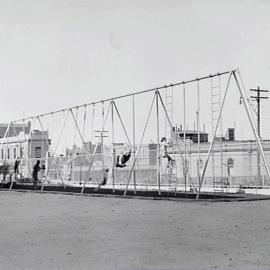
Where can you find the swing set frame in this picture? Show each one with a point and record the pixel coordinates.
(159, 105)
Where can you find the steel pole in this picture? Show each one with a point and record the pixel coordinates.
(113, 150)
(95, 150)
(185, 147)
(158, 146)
(134, 139)
(198, 130)
(139, 147)
(213, 137)
(247, 108)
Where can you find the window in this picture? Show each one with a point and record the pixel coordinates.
(8, 153)
(37, 152)
(2, 153)
(21, 152)
(14, 153)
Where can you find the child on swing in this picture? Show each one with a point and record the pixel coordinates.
(121, 160)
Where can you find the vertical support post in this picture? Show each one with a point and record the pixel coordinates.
(95, 150)
(126, 134)
(113, 149)
(84, 121)
(46, 139)
(175, 137)
(102, 144)
(213, 136)
(15, 174)
(198, 130)
(221, 133)
(74, 155)
(82, 154)
(158, 146)
(134, 142)
(72, 168)
(185, 147)
(247, 108)
(15, 157)
(259, 130)
(174, 134)
(29, 148)
(93, 122)
(7, 149)
(81, 135)
(54, 152)
(127, 137)
(139, 147)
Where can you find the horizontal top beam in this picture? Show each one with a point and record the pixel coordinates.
(259, 90)
(128, 95)
(258, 97)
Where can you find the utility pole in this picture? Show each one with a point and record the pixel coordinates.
(258, 100)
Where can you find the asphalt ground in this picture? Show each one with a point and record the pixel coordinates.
(56, 231)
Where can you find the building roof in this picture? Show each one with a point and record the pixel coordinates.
(190, 131)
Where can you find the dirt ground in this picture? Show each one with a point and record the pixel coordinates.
(56, 231)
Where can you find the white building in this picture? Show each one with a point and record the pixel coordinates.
(28, 148)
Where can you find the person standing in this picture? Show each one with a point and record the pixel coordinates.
(105, 179)
(16, 168)
(35, 174)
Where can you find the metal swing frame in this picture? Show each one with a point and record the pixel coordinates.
(157, 100)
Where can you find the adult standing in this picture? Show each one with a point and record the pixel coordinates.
(35, 174)
(16, 168)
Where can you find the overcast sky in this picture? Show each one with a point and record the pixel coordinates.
(59, 53)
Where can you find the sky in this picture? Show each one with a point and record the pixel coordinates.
(60, 53)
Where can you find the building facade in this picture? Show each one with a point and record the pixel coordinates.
(27, 148)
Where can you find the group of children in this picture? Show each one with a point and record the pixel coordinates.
(122, 159)
(121, 162)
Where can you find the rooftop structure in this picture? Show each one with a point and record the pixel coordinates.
(14, 129)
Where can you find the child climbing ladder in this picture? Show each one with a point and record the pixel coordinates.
(164, 152)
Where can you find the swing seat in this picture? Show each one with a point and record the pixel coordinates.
(120, 165)
(123, 162)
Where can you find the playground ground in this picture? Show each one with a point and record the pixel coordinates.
(57, 231)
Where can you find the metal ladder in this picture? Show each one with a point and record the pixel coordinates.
(217, 151)
(171, 177)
